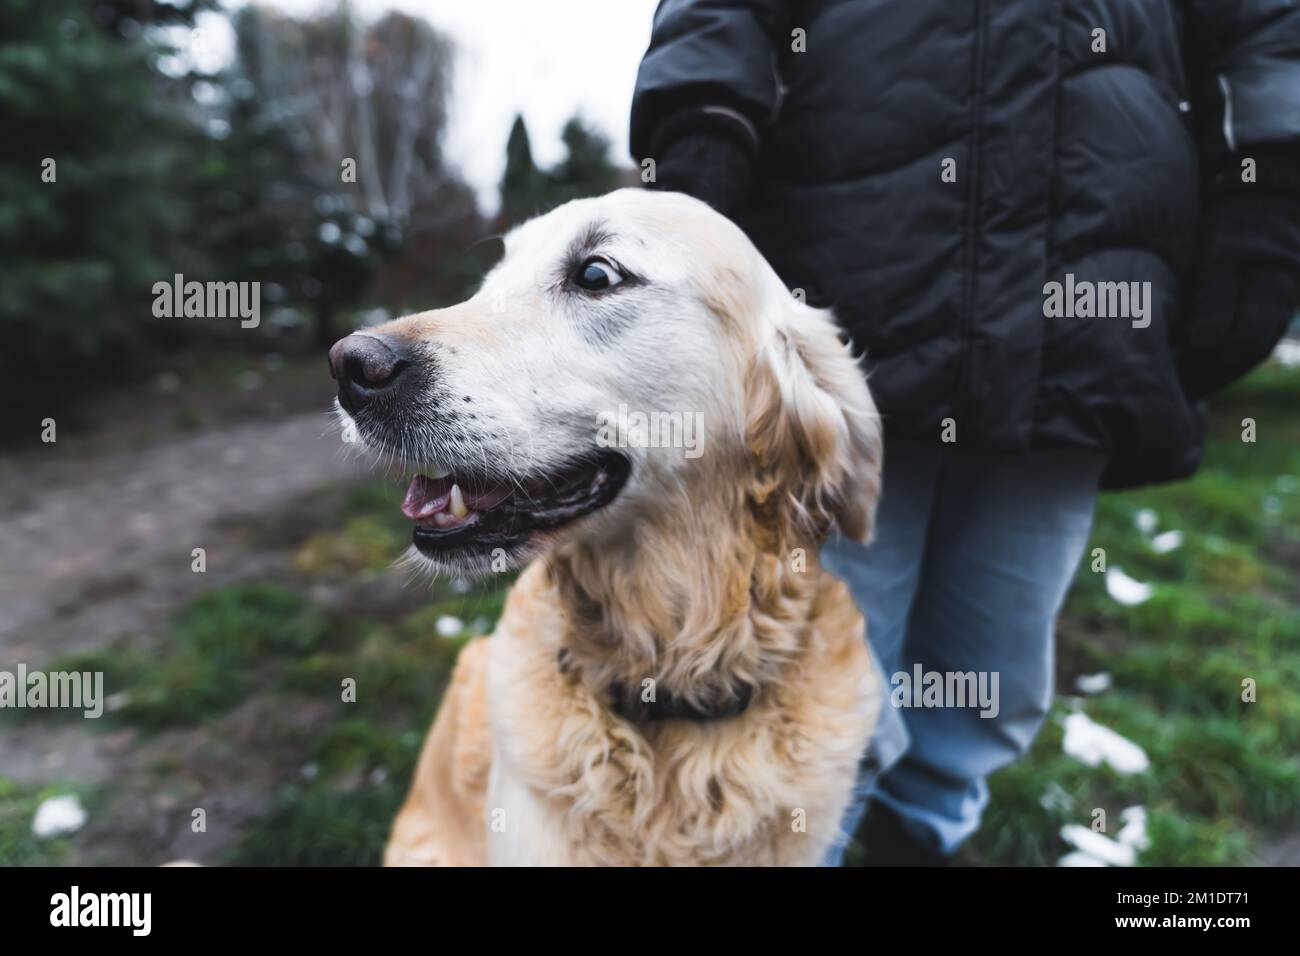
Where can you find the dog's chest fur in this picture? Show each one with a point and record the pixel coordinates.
(571, 784)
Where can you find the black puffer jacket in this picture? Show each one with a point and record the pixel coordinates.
(1101, 139)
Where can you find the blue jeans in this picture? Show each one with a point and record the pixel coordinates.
(973, 555)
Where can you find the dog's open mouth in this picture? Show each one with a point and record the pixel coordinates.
(474, 510)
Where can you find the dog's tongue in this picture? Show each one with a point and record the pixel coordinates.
(427, 496)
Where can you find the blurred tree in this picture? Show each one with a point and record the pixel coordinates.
(524, 187)
(308, 161)
(349, 118)
(586, 170)
(90, 139)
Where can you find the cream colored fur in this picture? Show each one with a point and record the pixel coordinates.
(701, 575)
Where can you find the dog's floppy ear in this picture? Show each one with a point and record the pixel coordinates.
(812, 427)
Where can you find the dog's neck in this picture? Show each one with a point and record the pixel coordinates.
(711, 617)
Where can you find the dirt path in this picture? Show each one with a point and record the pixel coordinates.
(92, 547)
(95, 547)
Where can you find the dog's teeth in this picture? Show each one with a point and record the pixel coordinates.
(458, 502)
(438, 472)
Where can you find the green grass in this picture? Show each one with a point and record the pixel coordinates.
(366, 537)
(209, 661)
(217, 645)
(269, 639)
(18, 846)
(1225, 774)
(321, 826)
(364, 760)
(389, 671)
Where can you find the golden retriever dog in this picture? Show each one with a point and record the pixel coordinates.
(674, 679)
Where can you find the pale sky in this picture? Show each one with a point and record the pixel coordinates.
(546, 59)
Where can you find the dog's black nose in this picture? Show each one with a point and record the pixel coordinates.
(366, 366)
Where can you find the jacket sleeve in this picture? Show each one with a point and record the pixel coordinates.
(1243, 60)
(714, 54)
(1244, 63)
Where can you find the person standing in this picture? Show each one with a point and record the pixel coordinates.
(957, 180)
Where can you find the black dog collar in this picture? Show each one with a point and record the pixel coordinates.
(668, 706)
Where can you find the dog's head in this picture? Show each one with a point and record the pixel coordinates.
(632, 358)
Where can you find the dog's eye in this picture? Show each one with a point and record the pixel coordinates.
(597, 274)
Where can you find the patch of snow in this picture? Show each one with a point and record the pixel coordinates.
(1167, 541)
(1075, 858)
(1134, 831)
(1089, 742)
(1288, 353)
(1098, 845)
(1126, 590)
(1093, 683)
(59, 815)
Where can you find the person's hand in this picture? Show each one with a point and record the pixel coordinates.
(711, 166)
(1245, 291)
